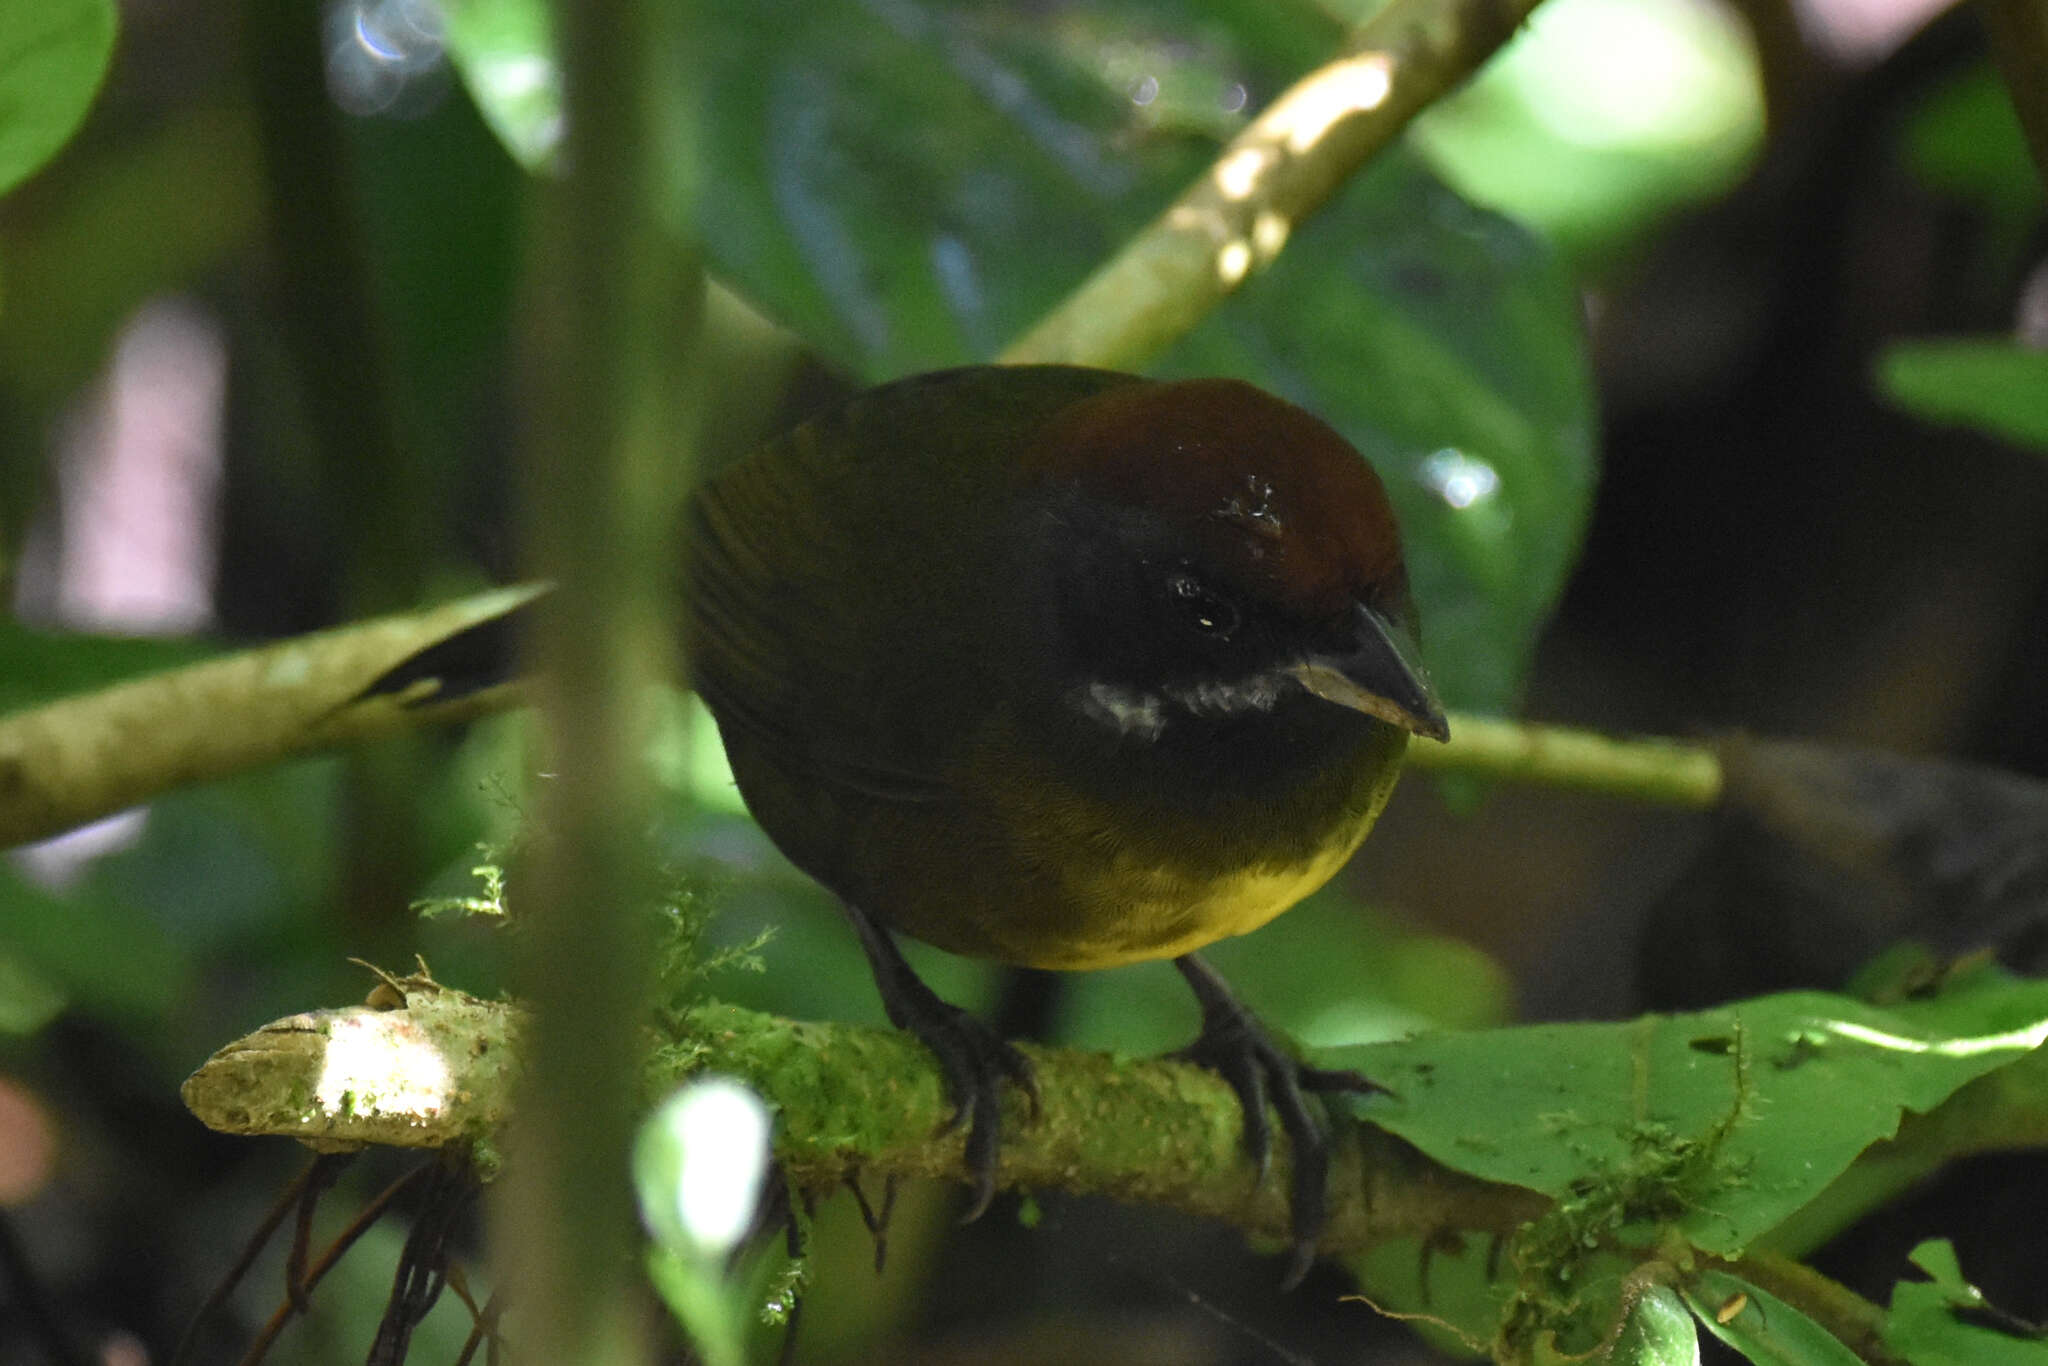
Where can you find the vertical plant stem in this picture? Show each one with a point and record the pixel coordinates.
(614, 311)
(376, 482)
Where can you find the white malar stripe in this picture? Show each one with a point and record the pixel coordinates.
(1128, 711)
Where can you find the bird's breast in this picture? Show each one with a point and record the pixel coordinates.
(1152, 911)
(1065, 876)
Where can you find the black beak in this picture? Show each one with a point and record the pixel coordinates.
(1381, 675)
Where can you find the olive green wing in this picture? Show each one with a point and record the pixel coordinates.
(839, 580)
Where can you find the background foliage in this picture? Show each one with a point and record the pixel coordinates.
(1814, 518)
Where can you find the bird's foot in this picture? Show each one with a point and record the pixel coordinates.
(1235, 1046)
(972, 1057)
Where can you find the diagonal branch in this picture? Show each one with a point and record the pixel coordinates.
(96, 753)
(1293, 157)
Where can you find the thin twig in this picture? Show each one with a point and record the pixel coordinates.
(1666, 772)
(289, 1199)
(357, 1227)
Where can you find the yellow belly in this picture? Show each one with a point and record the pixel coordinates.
(1028, 869)
(1167, 914)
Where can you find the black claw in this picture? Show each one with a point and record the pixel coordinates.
(974, 1060)
(1325, 1081)
(1235, 1046)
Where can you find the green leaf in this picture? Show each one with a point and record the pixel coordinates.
(1761, 1326)
(87, 258)
(28, 998)
(1937, 1257)
(39, 666)
(1964, 138)
(504, 52)
(1659, 1332)
(90, 948)
(1993, 385)
(53, 54)
(1720, 1124)
(1451, 1291)
(1924, 1329)
(1569, 132)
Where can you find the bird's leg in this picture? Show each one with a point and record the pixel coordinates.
(1235, 1046)
(974, 1059)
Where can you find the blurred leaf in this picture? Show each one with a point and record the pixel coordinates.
(1604, 115)
(1721, 1123)
(910, 185)
(29, 999)
(1761, 1326)
(53, 54)
(211, 920)
(102, 952)
(39, 666)
(146, 217)
(1964, 139)
(442, 213)
(1923, 1326)
(504, 51)
(1329, 973)
(1993, 385)
(1659, 1332)
(1454, 1288)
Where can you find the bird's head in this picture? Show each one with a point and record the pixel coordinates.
(1217, 554)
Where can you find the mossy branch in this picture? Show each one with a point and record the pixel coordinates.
(850, 1100)
(1234, 220)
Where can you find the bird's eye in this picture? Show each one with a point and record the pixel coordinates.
(1201, 606)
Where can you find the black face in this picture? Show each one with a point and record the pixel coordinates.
(1144, 651)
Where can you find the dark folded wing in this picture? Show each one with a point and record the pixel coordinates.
(846, 583)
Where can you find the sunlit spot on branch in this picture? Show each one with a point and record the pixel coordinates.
(1233, 262)
(1354, 85)
(370, 1067)
(1237, 175)
(1269, 234)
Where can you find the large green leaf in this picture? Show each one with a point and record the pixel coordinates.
(53, 54)
(1721, 1123)
(909, 186)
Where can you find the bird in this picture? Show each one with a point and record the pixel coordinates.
(1063, 668)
